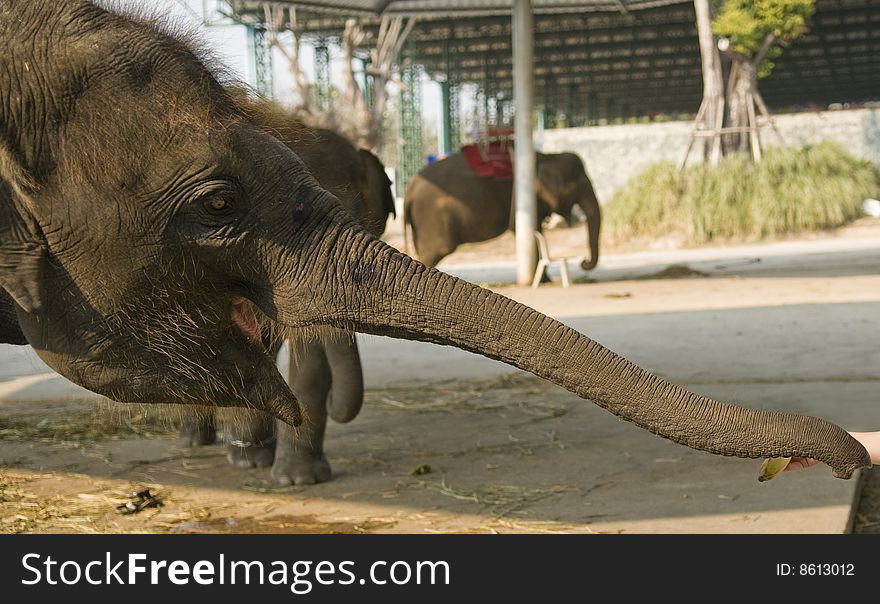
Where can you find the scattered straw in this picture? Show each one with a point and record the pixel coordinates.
(500, 499)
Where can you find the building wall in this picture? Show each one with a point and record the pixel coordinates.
(614, 154)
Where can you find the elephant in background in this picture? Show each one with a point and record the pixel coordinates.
(355, 176)
(448, 204)
(324, 371)
(377, 193)
(150, 216)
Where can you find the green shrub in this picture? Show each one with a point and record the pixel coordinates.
(789, 191)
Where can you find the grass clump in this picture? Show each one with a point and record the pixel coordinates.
(789, 191)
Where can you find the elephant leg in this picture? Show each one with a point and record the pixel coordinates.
(432, 258)
(251, 438)
(436, 249)
(433, 235)
(299, 453)
(197, 428)
(250, 441)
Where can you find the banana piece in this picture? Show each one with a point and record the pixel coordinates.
(772, 467)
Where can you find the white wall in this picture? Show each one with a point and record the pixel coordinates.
(614, 154)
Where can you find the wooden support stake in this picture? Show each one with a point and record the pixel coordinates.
(753, 128)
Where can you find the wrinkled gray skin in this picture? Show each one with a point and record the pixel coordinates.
(326, 372)
(145, 206)
(448, 204)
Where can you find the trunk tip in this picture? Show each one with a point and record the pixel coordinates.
(588, 265)
(847, 469)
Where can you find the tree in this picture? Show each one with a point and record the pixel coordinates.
(349, 113)
(752, 33)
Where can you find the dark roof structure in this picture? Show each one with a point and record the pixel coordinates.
(610, 58)
(458, 8)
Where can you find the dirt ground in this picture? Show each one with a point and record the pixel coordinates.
(67, 467)
(504, 453)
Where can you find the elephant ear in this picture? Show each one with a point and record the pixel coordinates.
(374, 167)
(23, 253)
(10, 330)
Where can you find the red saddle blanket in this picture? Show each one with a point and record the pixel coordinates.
(490, 161)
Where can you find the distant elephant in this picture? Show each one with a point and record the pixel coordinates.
(377, 194)
(448, 204)
(146, 215)
(324, 371)
(355, 176)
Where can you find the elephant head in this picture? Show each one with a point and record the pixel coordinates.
(563, 183)
(149, 214)
(377, 194)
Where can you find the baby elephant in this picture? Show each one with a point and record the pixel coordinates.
(324, 369)
(145, 214)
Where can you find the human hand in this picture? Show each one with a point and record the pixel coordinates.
(799, 463)
(870, 440)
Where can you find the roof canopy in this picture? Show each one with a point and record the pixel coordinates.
(460, 8)
(611, 58)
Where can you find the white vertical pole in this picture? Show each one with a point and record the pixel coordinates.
(713, 87)
(524, 166)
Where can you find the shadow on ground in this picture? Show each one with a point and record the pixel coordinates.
(510, 453)
(728, 262)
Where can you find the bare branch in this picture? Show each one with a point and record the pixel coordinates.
(765, 48)
(360, 119)
(352, 117)
(274, 18)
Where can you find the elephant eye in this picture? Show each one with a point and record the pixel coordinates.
(217, 199)
(219, 205)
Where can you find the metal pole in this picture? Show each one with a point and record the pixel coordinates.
(410, 119)
(321, 87)
(524, 166)
(261, 53)
(447, 121)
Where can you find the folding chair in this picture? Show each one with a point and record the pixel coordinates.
(545, 260)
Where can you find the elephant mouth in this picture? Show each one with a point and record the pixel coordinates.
(243, 316)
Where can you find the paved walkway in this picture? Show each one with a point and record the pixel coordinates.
(787, 326)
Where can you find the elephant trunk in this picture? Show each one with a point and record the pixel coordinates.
(347, 387)
(590, 206)
(370, 287)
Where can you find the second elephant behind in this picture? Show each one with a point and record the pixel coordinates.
(324, 368)
(448, 204)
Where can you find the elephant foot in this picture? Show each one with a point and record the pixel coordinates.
(300, 469)
(258, 454)
(197, 433)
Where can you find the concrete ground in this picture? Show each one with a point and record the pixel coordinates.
(452, 442)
